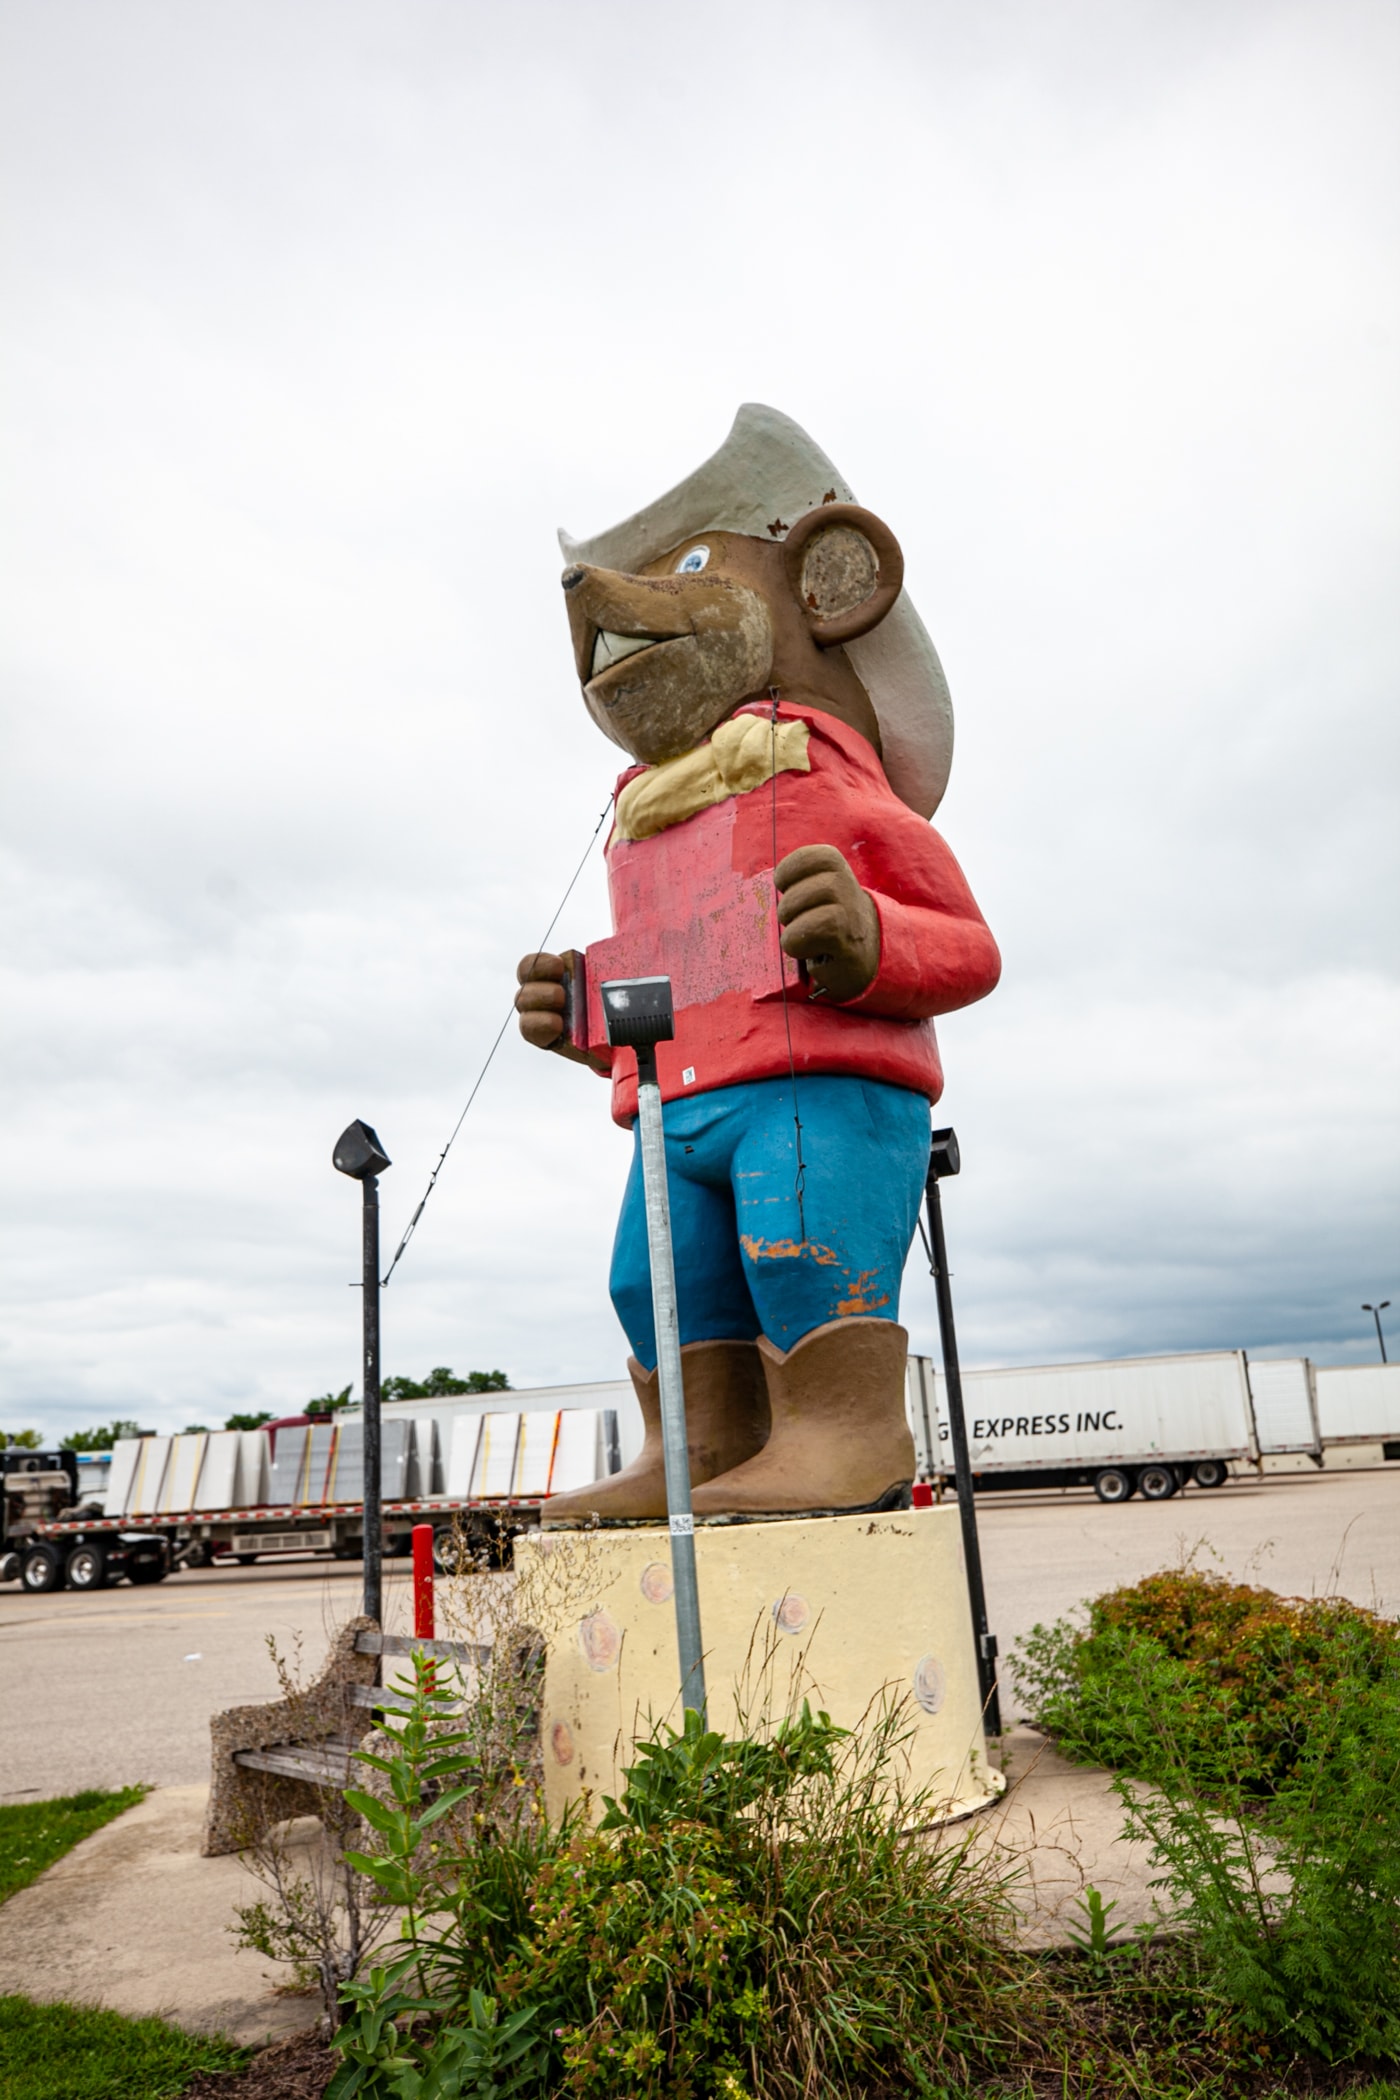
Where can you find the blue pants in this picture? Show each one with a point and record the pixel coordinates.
(743, 1267)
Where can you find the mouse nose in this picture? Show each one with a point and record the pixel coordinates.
(572, 578)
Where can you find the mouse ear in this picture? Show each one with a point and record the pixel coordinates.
(846, 570)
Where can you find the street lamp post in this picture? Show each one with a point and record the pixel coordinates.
(944, 1159)
(639, 1015)
(1375, 1311)
(359, 1154)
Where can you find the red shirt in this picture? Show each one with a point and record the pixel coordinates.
(697, 903)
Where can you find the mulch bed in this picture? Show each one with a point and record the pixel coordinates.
(298, 2068)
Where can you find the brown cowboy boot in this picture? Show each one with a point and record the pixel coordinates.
(726, 1421)
(839, 1439)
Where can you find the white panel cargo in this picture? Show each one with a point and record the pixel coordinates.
(486, 1437)
(1285, 1407)
(254, 1465)
(218, 1476)
(1358, 1403)
(182, 1472)
(148, 1477)
(1074, 1419)
(126, 1455)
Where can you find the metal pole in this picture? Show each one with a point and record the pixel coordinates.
(373, 1528)
(962, 1466)
(1375, 1311)
(668, 1364)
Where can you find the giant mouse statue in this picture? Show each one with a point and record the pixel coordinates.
(747, 641)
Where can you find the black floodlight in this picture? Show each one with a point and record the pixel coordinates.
(943, 1157)
(359, 1153)
(638, 1012)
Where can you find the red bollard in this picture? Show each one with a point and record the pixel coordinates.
(423, 1623)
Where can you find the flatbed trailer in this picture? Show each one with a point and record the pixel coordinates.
(81, 1548)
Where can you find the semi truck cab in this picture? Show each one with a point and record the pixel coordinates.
(40, 1486)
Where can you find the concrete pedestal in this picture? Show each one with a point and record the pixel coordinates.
(838, 1610)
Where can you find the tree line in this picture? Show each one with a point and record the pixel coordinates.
(441, 1383)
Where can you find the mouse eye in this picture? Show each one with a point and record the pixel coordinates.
(692, 563)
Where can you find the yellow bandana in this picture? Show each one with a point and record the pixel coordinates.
(744, 753)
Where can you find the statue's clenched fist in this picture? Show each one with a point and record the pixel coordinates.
(829, 922)
(540, 1001)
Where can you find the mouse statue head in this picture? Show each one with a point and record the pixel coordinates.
(758, 573)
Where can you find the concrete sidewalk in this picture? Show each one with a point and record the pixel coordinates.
(134, 1919)
(1062, 1824)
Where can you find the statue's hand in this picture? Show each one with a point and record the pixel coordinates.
(540, 1000)
(828, 921)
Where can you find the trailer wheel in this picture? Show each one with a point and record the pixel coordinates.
(1157, 1483)
(198, 1554)
(147, 1571)
(1114, 1484)
(87, 1568)
(42, 1570)
(1210, 1473)
(245, 1560)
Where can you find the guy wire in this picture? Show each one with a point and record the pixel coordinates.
(800, 1178)
(500, 1033)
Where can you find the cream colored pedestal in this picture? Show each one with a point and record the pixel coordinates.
(839, 1610)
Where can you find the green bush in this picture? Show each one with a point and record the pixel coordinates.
(747, 1920)
(1269, 1730)
(1249, 1677)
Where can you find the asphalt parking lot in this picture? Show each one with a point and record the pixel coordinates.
(109, 1688)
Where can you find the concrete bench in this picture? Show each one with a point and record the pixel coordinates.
(275, 1761)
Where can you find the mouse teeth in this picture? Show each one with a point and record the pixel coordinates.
(611, 648)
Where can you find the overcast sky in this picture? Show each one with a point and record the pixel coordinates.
(321, 317)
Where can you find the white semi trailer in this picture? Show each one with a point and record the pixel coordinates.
(1284, 1392)
(1145, 1425)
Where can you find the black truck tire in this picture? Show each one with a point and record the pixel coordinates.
(42, 1570)
(1210, 1472)
(1157, 1483)
(146, 1571)
(87, 1568)
(1114, 1484)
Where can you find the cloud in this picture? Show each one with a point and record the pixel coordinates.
(327, 316)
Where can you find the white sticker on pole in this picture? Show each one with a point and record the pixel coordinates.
(683, 1527)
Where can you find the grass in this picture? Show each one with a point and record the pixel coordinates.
(33, 1834)
(75, 2052)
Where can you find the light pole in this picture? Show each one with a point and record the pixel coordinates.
(1375, 1311)
(639, 1016)
(944, 1159)
(359, 1154)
